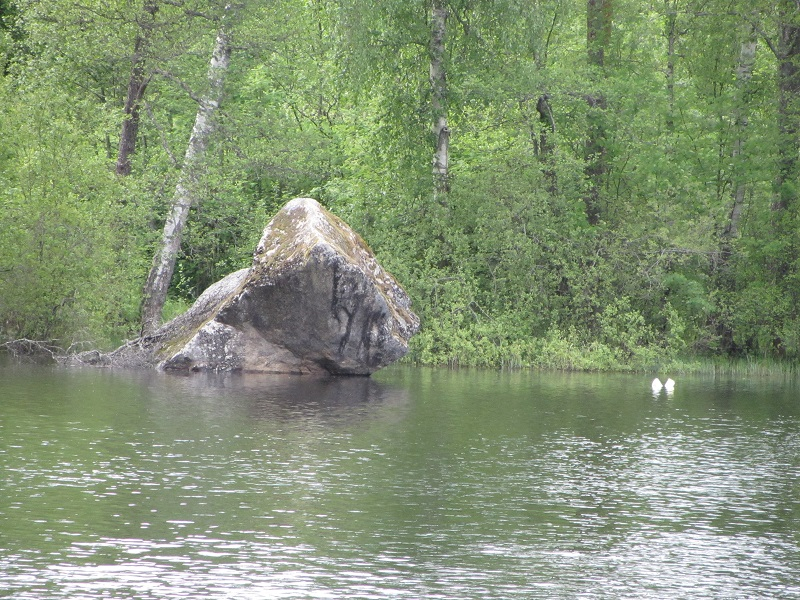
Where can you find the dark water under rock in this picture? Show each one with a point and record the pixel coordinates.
(411, 484)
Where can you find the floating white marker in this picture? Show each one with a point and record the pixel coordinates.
(656, 385)
(669, 385)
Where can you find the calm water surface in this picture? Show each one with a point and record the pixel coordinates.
(411, 484)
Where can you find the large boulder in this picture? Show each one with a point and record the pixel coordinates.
(315, 300)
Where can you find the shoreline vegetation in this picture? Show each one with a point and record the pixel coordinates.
(595, 359)
(591, 185)
(588, 361)
(719, 366)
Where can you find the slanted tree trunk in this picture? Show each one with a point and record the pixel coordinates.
(789, 103)
(598, 36)
(438, 79)
(155, 290)
(137, 84)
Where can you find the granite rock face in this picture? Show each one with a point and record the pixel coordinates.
(315, 300)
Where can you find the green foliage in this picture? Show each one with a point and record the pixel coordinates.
(331, 98)
(65, 270)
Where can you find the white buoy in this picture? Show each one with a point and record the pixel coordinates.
(669, 385)
(656, 385)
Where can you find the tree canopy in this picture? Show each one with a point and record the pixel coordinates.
(568, 183)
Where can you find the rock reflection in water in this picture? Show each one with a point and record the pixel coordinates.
(282, 397)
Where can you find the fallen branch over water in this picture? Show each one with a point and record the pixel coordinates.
(26, 347)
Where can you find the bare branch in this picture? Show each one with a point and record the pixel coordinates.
(26, 347)
(181, 84)
(162, 135)
(767, 40)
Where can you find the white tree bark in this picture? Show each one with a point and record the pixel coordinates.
(438, 79)
(155, 290)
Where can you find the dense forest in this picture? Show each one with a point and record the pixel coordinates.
(589, 184)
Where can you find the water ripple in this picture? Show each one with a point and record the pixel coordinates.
(447, 489)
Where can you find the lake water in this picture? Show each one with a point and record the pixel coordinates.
(414, 483)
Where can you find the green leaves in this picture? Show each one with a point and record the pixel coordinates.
(332, 98)
(63, 267)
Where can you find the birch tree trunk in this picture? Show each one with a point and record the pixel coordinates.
(155, 290)
(137, 84)
(438, 79)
